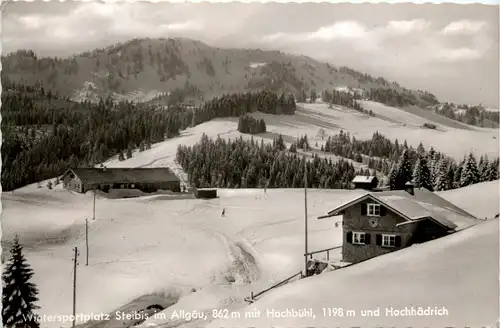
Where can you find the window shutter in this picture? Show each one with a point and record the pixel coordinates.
(367, 238)
(397, 241)
(349, 237)
(378, 238)
(363, 209)
(383, 210)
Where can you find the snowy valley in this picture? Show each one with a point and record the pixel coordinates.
(177, 252)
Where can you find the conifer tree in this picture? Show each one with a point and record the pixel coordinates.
(393, 175)
(420, 149)
(404, 172)
(470, 172)
(19, 294)
(493, 170)
(442, 179)
(431, 163)
(451, 174)
(421, 174)
(483, 168)
(457, 176)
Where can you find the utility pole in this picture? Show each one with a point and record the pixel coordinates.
(93, 211)
(305, 213)
(87, 241)
(75, 263)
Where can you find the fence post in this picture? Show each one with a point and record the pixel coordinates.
(328, 255)
(251, 296)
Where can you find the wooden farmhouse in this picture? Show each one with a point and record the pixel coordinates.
(104, 179)
(381, 222)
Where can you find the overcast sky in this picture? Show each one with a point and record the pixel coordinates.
(450, 50)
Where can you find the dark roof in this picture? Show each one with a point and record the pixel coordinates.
(422, 204)
(364, 179)
(125, 175)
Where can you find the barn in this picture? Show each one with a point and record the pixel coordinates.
(144, 179)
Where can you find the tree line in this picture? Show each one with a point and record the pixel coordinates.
(237, 104)
(430, 168)
(472, 115)
(346, 99)
(249, 164)
(395, 98)
(248, 124)
(44, 134)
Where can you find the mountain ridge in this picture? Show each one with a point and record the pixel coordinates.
(172, 71)
(159, 66)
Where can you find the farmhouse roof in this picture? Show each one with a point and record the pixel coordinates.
(363, 179)
(125, 175)
(423, 204)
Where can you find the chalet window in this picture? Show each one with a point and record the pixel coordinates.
(373, 209)
(132, 186)
(358, 238)
(389, 240)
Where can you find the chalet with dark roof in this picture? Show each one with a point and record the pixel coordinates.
(144, 179)
(381, 222)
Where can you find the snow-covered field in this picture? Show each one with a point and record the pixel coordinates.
(394, 123)
(167, 250)
(162, 248)
(154, 244)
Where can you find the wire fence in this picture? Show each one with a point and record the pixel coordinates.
(253, 296)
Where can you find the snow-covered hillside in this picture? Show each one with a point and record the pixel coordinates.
(311, 119)
(488, 203)
(402, 124)
(457, 274)
(163, 248)
(178, 251)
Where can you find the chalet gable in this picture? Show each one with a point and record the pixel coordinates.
(71, 174)
(406, 208)
(364, 207)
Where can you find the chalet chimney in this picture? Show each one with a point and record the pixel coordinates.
(409, 188)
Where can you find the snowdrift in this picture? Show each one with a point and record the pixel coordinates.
(457, 275)
(481, 200)
(157, 245)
